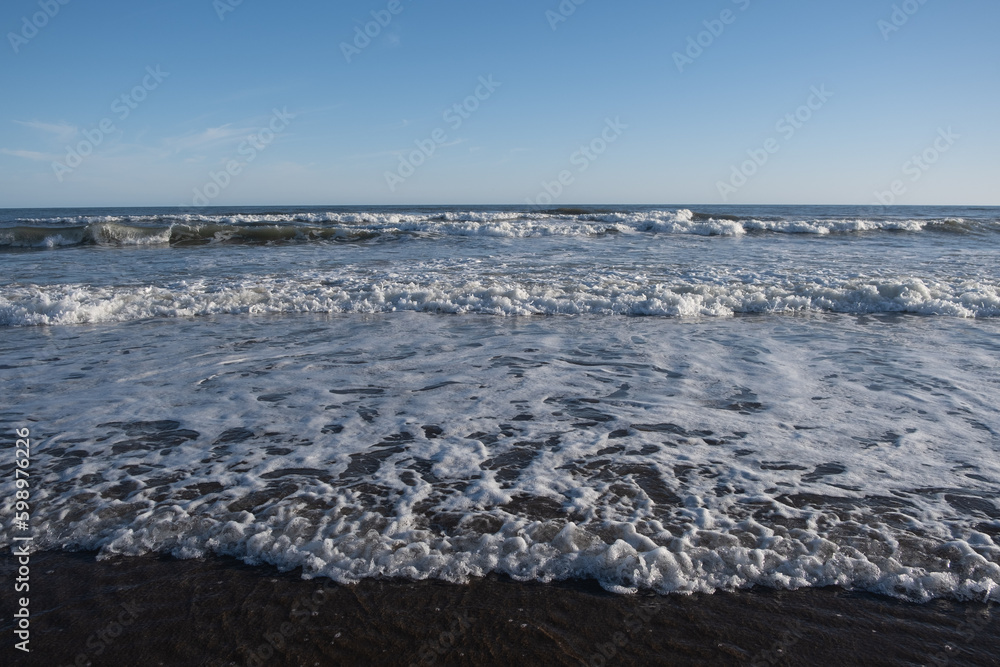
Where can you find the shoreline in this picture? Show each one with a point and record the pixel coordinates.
(219, 611)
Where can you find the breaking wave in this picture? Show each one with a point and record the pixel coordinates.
(611, 295)
(195, 229)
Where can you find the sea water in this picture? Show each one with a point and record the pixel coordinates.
(674, 398)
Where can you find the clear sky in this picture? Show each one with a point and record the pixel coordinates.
(202, 79)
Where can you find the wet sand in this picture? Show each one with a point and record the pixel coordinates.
(215, 612)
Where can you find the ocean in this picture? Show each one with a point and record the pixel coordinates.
(656, 402)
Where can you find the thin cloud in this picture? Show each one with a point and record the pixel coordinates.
(30, 155)
(206, 138)
(62, 131)
(402, 151)
(379, 154)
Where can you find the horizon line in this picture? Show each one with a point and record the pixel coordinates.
(550, 207)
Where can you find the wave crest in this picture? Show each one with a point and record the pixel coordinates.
(353, 226)
(75, 304)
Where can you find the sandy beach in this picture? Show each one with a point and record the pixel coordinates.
(220, 612)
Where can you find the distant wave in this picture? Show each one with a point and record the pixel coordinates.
(193, 229)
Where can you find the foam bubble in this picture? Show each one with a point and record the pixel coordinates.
(645, 455)
(612, 295)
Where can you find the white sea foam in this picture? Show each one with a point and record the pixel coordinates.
(611, 295)
(647, 454)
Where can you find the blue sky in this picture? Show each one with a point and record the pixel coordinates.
(202, 80)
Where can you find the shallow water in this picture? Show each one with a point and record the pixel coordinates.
(644, 453)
